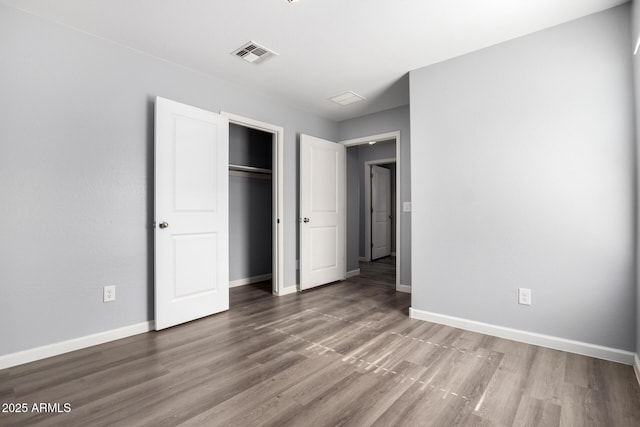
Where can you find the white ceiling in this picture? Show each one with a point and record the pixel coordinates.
(326, 47)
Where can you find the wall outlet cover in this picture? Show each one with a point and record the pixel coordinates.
(524, 296)
(109, 293)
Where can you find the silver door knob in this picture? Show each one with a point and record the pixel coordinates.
(306, 220)
(164, 224)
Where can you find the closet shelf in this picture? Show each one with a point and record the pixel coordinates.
(240, 168)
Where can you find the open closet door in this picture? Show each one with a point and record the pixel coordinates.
(322, 212)
(191, 213)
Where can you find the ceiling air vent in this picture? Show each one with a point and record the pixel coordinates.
(347, 98)
(253, 52)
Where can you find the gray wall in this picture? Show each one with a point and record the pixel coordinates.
(396, 119)
(76, 176)
(250, 205)
(250, 147)
(527, 180)
(636, 75)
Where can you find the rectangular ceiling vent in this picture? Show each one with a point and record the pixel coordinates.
(254, 53)
(347, 98)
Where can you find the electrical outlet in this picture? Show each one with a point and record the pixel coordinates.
(524, 296)
(109, 293)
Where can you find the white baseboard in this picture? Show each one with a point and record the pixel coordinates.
(557, 343)
(62, 347)
(403, 288)
(286, 291)
(250, 280)
(353, 273)
(363, 259)
(636, 367)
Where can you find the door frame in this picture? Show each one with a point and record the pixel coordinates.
(277, 194)
(378, 138)
(368, 235)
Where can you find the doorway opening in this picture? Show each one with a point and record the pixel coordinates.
(255, 203)
(374, 238)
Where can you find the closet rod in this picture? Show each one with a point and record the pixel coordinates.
(249, 169)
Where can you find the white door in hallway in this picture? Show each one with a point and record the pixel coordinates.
(322, 212)
(380, 212)
(191, 213)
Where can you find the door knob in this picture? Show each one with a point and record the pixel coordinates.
(306, 220)
(164, 224)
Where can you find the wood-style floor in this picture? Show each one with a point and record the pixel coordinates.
(381, 272)
(345, 354)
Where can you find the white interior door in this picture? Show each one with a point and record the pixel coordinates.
(322, 212)
(191, 213)
(380, 212)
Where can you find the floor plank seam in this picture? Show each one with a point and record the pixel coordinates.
(400, 375)
(447, 347)
(364, 325)
(452, 348)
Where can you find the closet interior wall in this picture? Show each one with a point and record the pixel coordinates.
(250, 204)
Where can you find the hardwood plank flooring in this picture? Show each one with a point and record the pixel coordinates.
(381, 272)
(345, 354)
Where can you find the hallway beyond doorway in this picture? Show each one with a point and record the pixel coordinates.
(381, 272)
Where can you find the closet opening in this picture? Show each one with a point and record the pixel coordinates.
(255, 205)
